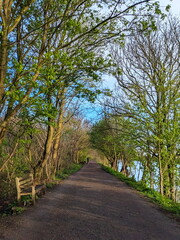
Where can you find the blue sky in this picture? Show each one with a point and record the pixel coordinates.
(175, 9)
(175, 5)
(91, 110)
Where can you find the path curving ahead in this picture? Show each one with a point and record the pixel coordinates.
(91, 205)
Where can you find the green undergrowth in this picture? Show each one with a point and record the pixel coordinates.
(14, 208)
(164, 202)
(65, 173)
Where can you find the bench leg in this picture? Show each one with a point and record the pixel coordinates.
(18, 197)
(33, 194)
(18, 190)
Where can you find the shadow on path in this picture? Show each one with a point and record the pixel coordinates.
(92, 205)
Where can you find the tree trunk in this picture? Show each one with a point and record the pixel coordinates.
(161, 177)
(3, 59)
(114, 164)
(54, 142)
(46, 153)
(3, 129)
(58, 134)
(171, 181)
(124, 168)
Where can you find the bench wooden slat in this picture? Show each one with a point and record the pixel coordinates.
(39, 188)
(26, 193)
(26, 186)
(28, 180)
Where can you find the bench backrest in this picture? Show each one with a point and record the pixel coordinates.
(25, 183)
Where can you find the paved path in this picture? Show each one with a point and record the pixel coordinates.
(91, 205)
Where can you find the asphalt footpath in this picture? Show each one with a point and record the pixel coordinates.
(91, 205)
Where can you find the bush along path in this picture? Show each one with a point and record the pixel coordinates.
(162, 201)
(90, 205)
(13, 207)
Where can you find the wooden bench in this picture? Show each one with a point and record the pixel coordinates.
(27, 186)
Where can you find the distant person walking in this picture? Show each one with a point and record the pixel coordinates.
(87, 161)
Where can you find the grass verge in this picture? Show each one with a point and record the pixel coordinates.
(65, 173)
(164, 202)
